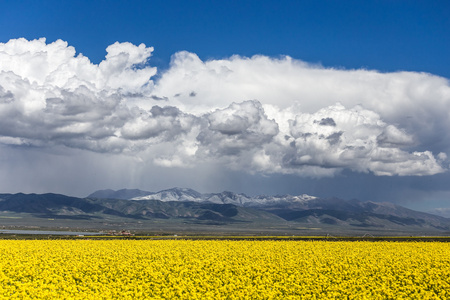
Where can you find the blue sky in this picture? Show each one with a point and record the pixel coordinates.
(343, 65)
(381, 35)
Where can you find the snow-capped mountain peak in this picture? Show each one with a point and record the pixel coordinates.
(226, 197)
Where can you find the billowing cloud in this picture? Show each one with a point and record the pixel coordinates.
(240, 126)
(56, 66)
(336, 137)
(256, 114)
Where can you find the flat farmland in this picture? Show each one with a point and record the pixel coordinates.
(223, 269)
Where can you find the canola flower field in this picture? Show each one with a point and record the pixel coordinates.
(221, 269)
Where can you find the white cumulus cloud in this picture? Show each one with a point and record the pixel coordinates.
(256, 114)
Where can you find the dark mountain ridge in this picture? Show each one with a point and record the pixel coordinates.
(288, 206)
(222, 209)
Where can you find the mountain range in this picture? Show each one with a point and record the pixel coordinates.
(226, 212)
(186, 194)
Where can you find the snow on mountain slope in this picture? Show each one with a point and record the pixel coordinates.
(184, 194)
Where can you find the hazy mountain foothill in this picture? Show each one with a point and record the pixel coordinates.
(185, 211)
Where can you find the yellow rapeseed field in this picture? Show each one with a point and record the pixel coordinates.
(184, 269)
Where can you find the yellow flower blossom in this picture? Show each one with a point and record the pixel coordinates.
(222, 269)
